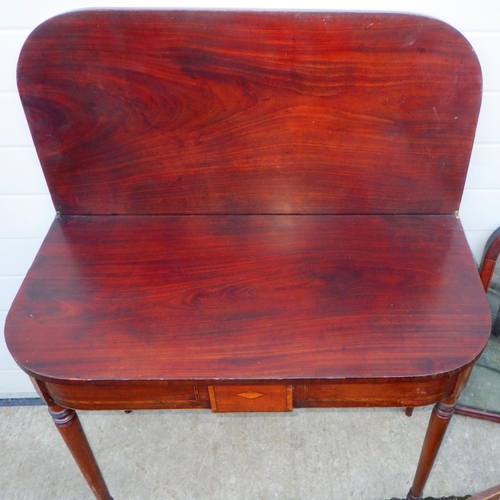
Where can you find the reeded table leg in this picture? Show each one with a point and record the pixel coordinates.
(438, 423)
(68, 424)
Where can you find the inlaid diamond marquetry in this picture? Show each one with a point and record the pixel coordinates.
(250, 394)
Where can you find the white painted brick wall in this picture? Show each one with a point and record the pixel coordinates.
(25, 207)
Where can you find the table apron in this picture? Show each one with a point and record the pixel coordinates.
(247, 397)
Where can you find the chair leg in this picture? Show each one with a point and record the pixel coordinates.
(68, 425)
(438, 423)
(409, 411)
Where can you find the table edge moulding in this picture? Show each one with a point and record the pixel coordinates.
(256, 211)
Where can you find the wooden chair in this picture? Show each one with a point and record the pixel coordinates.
(489, 494)
(255, 212)
(486, 271)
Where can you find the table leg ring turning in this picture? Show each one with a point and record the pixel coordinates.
(68, 425)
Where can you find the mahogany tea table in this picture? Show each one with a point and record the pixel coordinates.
(256, 211)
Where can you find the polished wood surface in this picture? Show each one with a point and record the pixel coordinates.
(438, 424)
(68, 425)
(467, 411)
(489, 260)
(256, 211)
(245, 112)
(251, 398)
(133, 395)
(249, 298)
(492, 493)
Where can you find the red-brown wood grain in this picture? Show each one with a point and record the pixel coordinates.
(375, 393)
(251, 398)
(68, 425)
(252, 203)
(144, 112)
(129, 395)
(249, 298)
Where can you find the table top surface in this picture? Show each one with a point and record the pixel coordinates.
(171, 112)
(277, 297)
(346, 135)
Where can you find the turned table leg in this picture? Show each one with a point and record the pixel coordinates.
(68, 424)
(438, 423)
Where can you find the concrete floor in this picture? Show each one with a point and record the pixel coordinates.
(339, 454)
